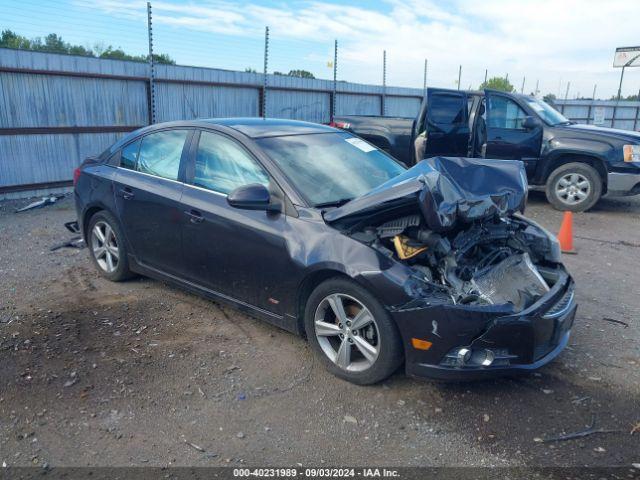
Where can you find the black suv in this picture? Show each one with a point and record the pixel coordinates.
(575, 164)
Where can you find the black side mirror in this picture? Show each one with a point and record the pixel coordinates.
(530, 123)
(252, 197)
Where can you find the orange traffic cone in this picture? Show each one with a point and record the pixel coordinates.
(565, 236)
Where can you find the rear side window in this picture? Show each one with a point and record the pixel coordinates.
(129, 155)
(160, 153)
(223, 165)
(447, 109)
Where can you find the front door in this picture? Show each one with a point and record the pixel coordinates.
(447, 123)
(238, 253)
(507, 136)
(148, 191)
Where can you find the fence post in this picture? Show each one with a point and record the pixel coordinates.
(152, 70)
(263, 96)
(383, 107)
(335, 81)
(424, 83)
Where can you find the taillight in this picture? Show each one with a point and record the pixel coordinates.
(343, 125)
(76, 175)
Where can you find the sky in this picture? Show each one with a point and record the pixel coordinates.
(552, 43)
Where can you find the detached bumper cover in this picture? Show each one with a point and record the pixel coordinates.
(533, 337)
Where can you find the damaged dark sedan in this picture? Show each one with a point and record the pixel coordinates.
(320, 233)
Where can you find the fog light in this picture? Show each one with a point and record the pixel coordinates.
(483, 357)
(463, 356)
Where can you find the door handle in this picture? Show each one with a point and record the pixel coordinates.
(194, 216)
(127, 193)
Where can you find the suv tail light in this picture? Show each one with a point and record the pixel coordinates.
(343, 125)
(76, 175)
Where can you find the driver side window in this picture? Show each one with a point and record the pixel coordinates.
(505, 113)
(222, 165)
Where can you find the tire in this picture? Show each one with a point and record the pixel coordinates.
(582, 184)
(112, 262)
(377, 330)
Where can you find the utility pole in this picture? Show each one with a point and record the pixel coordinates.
(537, 90)
(384, 83)
(522, 88)
(459, 76)
(424, 83)
(263, 112)
(152, 69)
(593, 95)
(335, 79)
(566, 93)
(486, 72)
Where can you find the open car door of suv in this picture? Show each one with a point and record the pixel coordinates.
(512, 132)
(444, 124)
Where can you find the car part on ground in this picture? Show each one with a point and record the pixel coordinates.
(43, 202)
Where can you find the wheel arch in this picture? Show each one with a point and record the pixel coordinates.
(562, 158)
(308, 285)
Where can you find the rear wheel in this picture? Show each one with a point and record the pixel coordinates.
(107, 248)
(352, 333)
(574, 187)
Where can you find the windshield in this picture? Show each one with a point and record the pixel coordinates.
(330, 168)
(547, 112)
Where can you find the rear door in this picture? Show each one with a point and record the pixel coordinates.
(148, 189)
(446, 123)
(507, 137)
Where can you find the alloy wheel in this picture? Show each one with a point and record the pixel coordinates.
(573, 188)
(105, 246)
(347, 332)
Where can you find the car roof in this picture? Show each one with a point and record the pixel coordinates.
(252, 127)
(270, 127)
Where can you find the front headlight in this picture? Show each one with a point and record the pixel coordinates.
(631, 153)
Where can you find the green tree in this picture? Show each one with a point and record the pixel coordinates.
(54, 43)
(497, 83)
(301, 74)
(250, 70)
(549, 98)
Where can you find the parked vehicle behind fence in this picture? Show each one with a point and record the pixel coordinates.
(574, 164)
(321, 233)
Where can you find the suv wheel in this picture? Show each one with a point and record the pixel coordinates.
(574, 187)
(352, 333)
(106, 246)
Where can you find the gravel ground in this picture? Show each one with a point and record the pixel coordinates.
(94, 373)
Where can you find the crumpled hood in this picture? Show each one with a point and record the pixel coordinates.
(446, 190)
(611, 133)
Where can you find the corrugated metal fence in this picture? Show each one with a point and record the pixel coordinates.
(57, 109)
(624, 115)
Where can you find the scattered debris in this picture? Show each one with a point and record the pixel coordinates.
(194, 446)
(613, 320)
(635, 428)
(44, 201)
(350, 419)
(547, 391)
(634, 465)
(580, 400)
(242, 396)
(599, 450)
(75, 242)
(486, 418)
(591, 430)
(240, 435)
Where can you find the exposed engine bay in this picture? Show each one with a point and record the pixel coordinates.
(496, 261)
(455, 222)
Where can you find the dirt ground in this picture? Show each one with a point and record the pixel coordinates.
(141, 373)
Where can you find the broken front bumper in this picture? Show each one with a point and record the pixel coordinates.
(515, 342)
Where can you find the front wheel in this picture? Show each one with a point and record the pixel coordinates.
(352, 333)
(574, 187)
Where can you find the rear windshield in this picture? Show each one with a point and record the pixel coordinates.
(330, 168)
